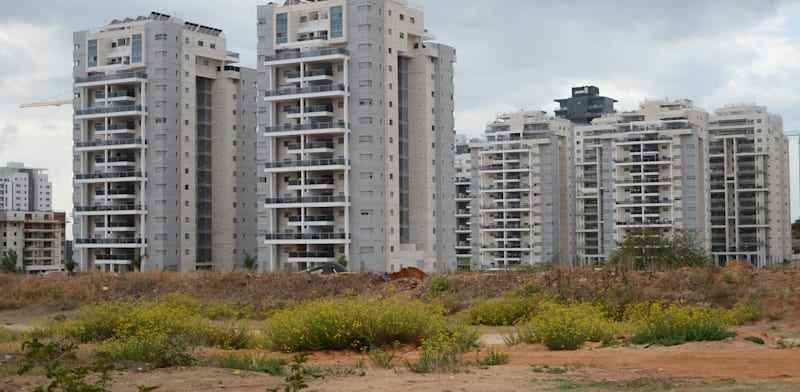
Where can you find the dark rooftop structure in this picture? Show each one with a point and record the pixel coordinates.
(585, 105)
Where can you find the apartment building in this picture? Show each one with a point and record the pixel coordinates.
(355, 114)
(164, 153)
(584, 105)
(525, 190)
(645, 168)
(28, 225)
(749, 165)
(464, 205)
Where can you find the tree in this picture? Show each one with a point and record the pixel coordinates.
(249, 261)
(342, 261)
(136, 263)
(70, 265)
(649, 248)
(9, 262)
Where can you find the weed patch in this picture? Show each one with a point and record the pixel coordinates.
(354, 323)
(674, 323)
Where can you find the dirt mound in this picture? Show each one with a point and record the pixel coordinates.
(408, 272)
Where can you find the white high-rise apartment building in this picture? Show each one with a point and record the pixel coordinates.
(641, 169)
(749, 165)
(525, 190)
(465, 198)
(28, 225)
(356, 123)
(164, 154)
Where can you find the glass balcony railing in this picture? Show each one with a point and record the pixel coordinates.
(311, 53)
(306, 236)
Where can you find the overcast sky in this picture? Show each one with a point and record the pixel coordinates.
(512, 54)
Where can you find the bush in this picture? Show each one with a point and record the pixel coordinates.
(355, 323)
(493, 357)
(256, 363)
(501, 310)
(747, 311)
(157, 351)
(754, 339)
(440, 357)
(674, 323)
(566, 327)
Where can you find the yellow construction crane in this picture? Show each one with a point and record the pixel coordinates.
(49, 103)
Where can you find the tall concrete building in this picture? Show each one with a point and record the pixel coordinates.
(28, 225)
(356, 118)
(749, 165)
(584, 105)
(642, 169)
(465, 198)
(525, 188)
(164, 154)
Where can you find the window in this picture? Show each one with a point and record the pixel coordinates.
(161, 37)
(262, 21)
(402, 17)
(212, 45)
(281, 28)
(136, 48)
(91, 54)
(199, 43)
(412, 20)
(364, 83)
(336, 22)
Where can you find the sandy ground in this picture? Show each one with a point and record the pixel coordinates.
(731, 365)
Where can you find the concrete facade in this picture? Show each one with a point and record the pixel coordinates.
(356, 144)
(164, 154)
(749, 164)
(524, 191)
(646, 168)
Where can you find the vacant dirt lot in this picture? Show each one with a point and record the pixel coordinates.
(731, 365)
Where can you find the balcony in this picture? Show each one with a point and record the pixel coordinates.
(121, 240)
(102, 209)
(318, 237)
(328, 219)
(316, 91)
(125, 191)
(312, 257)
(309, 111)
(312, 128)
(115, 224)
(108, 176)
(308, 164)
(313, 72)
(311, 183)
(120, 95)
(309, 201)
(126, 110)
(116, 143)
(322, 146)
(117, 128)
(125, 158)
(338, 52)
(112, 77)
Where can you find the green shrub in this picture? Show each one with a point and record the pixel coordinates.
(256, 363)
(98, 321)
(493, 356)
(7, 335)
(354, 323)
(156, 351)
(754, 339)
(382, 358)
(747, 311)
(502, 310)
(232, 336)
(674, 323)
(52, 357)
(566, 327)
(438, 357)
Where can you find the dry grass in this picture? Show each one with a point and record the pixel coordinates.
(265, 293)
